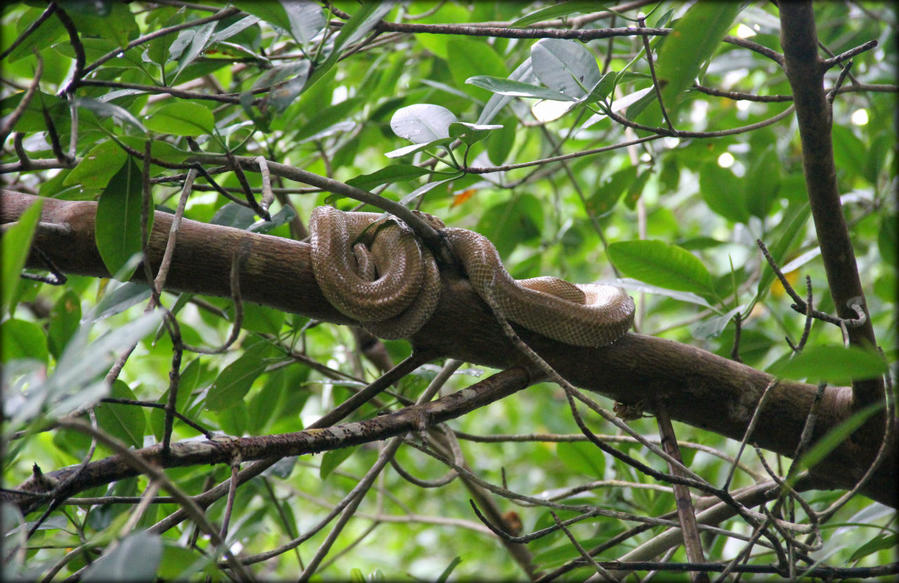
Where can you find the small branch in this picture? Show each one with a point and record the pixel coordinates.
(828, 63)
(655, 81)
(685, 512)
(10, 121)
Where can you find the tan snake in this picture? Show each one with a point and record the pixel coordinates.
(377, 272)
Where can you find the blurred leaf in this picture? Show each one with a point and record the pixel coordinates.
(558, 10)
(333, 458)
(724, 192)
(135, 558)
(235, 380)
(22, 339)
(836, 436)
(65, 318)
(16, 245)
(509, 223)
(125, 422)
(878, 543)
(833, 364)
(762, 182)
(388, 175)
(582, 457)
(110, 110)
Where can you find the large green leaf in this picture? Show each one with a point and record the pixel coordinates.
(565, 66)
(468, 58)
(691, 42)
(664, 265)
(182, 118)
(422, 123)
(118, 232)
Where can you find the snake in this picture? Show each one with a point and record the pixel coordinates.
(372, 268)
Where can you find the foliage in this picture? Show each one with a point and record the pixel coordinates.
(496, 133)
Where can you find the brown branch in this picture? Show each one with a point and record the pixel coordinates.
(702, 389)
(805, 72)
(224, 449)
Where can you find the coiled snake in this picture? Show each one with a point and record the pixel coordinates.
(376, 271)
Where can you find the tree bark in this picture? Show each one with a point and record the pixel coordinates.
(700, 388)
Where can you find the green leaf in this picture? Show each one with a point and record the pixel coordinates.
(610, 190)
(110, 110)
(762, 181)
(888, 239)
(422, 123)
(360, 24)
(181, 118)
(470, 133)
(472, 57)
(565, 65)
(558, 10)
(822, 448)
(723, 192)
(235, 380)
(65, 318)
(582, 457)
(16, 245)
(793, 222)
(833, 364)
(500, 142)
(508, 87)
(307, 20)
(388, 175)
(158, 149)
(333, 458)
(663, 265)
(330, 116)
(445, 574)
(509, 223)
(22, 339)
(118, 231)
(97, 166)
(135, 558)
(691, 42)
(878, 543)
(126, 422)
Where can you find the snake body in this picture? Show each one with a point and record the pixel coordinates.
(377, 272)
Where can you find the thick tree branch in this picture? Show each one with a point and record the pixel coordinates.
(701, 389)
(805, 72)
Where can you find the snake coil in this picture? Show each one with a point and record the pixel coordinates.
(377, 272)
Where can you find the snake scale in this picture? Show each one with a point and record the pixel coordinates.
(375, 270)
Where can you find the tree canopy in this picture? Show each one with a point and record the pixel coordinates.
(182, 401)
